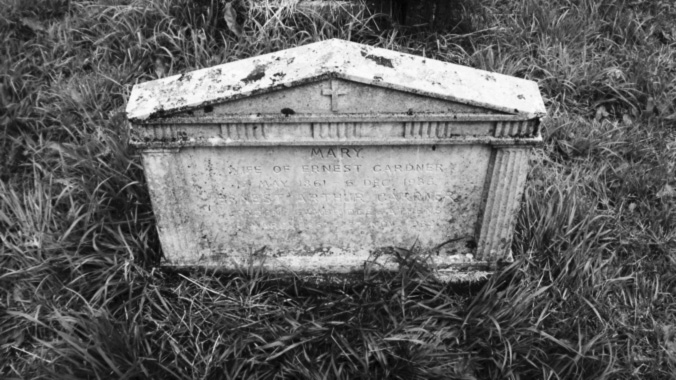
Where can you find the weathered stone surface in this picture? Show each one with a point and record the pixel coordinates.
(319, 158)
(330, 8)
(338, 59)
(307, 201)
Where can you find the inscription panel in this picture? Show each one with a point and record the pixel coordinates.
(295, 200)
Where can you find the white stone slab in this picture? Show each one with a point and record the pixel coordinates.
(303, 200)
(329, 8)
(320, 159)
(340, 59)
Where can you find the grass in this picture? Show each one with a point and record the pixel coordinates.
(591, 295)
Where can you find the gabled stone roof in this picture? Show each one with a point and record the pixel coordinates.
(338, 59)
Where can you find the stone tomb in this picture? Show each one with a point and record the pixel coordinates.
(316, 159)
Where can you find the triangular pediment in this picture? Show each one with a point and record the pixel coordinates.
(336, 97)
(336, 76)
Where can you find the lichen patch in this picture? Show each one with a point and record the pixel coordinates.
(255, 75)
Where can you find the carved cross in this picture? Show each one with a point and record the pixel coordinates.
(334, 93)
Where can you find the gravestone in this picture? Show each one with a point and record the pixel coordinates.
(316, 159)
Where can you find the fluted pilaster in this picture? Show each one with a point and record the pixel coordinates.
(507, 182)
